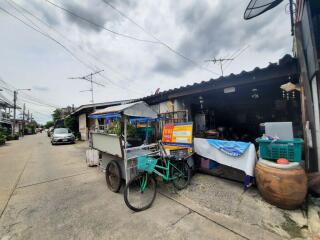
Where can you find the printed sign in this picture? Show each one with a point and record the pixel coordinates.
(179, 134)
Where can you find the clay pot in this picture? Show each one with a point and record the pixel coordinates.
(284, 188)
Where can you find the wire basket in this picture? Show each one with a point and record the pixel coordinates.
(146, 163)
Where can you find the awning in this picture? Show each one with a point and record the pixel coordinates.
(135, 119)
(105, 115)
(137, 109)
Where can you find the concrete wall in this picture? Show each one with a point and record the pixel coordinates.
(83, 126)
(170, 106)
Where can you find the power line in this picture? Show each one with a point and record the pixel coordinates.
(157, 39)
(46, 35)
(98, 25)
(68, 50)
(235, 56)
(67, 39)
(31, 98)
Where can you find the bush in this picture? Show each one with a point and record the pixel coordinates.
(2, 140)
(16, 136)
(9, 137)
(78, 135)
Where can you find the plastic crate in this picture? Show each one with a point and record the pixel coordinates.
(146, 163)
(273, 150)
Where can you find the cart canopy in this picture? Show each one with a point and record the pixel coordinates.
(136, 109)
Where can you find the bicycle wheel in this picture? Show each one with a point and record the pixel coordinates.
(181, 174)
(140, 192)
(113, 176)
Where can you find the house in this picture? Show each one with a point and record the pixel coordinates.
(236, 106)
(82, 113)
(5, 120)
(307, 41)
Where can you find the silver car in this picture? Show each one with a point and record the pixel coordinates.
(62, 135)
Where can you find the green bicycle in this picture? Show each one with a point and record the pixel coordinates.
(140, 192)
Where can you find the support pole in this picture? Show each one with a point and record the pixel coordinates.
(23, 122)
(14, 112)
(125, 149)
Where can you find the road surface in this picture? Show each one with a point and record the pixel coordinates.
(48, 192)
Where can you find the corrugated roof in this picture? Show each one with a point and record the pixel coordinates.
(100, 105)
(285, 62)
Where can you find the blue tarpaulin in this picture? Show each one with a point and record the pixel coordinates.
(117, 115)
(105, 115)
(133, 120)
(231, 148)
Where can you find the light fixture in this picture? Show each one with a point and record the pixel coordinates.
(254, 93)
(201, 102)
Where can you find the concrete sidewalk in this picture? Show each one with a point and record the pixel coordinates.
(242, 211)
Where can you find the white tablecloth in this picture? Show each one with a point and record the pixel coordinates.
(246, 162)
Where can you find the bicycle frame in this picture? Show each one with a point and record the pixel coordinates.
(165, 176)
(166, 169)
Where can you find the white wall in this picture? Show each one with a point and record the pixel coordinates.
(83, 126)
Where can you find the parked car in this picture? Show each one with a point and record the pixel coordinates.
(50, 131)
(62, 135)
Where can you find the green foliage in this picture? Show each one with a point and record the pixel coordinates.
(114, 128)
(78, 135)
(49, 124)
(71, 123)
(131, 130)
(57, 114)
(2, 137)
(29, 130)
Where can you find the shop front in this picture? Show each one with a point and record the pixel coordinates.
(235, 108)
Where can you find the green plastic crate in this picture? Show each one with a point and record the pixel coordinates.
(273, 150)
(146, 163)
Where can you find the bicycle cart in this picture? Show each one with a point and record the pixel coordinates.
(174, 163)
(113, 143)
(140, 191)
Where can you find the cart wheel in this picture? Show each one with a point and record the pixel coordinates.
(113, 176)
(140, 192)
(181, 174)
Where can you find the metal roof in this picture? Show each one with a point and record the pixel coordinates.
(136, 109)
(88, 107)
(286, 66)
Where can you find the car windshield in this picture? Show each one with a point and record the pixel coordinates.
(61, 130)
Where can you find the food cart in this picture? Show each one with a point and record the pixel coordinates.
(114, 145)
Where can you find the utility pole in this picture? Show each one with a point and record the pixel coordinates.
(23, 123)
(14, 112)
(89, 78)
(220, 61)
(15, 94)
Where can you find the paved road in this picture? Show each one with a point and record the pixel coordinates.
(48, 192)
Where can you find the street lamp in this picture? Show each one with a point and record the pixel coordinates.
(15, 93)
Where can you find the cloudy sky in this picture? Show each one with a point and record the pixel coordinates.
(136, 58)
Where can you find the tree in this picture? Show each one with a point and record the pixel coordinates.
(57, 114)
(71, 123)
(49, 124)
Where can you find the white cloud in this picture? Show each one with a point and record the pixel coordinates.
(198, 29)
